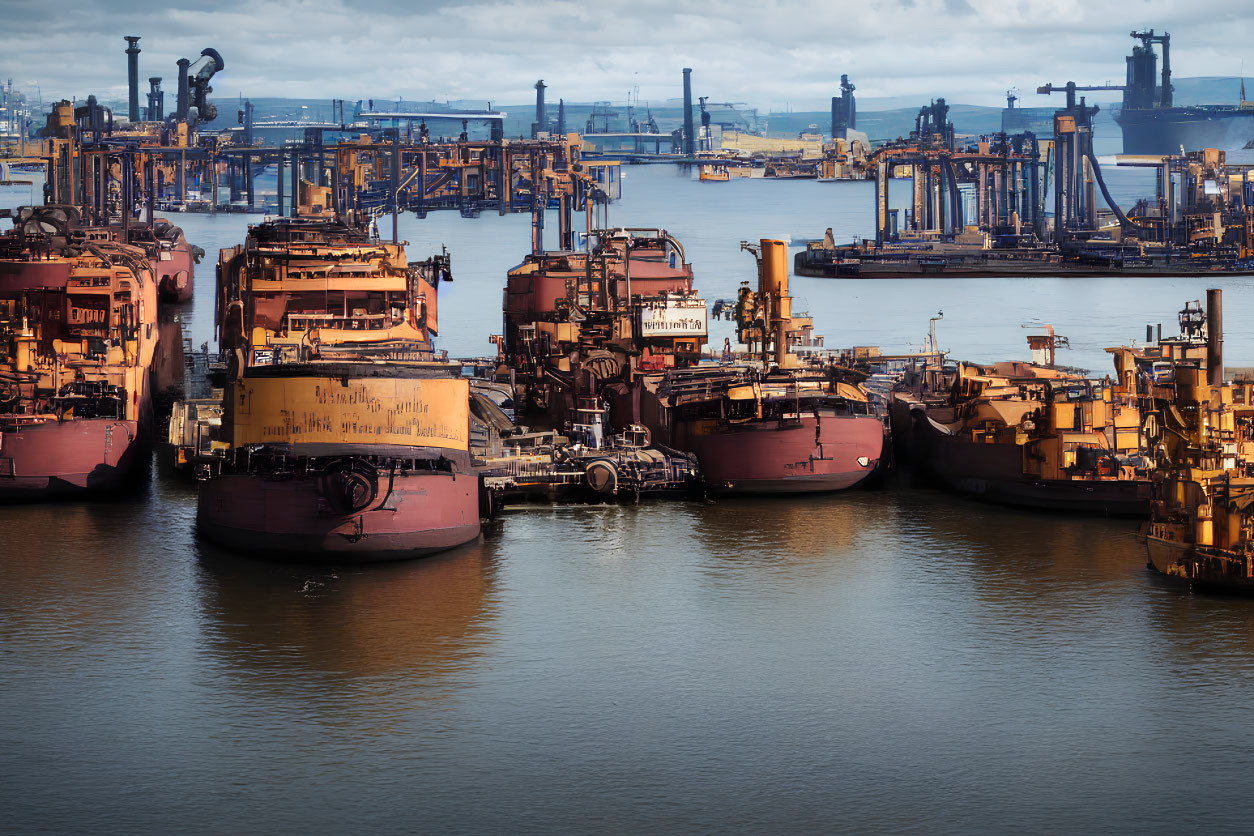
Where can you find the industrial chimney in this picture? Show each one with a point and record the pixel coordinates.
(1215, 337)
(132, 75)
(541, 125)
(181, 111)
(689, 136)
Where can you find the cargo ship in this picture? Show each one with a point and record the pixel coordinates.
(1153, 124)
(344, 435)
(1028, 434)
(774, 425)
(78, 332)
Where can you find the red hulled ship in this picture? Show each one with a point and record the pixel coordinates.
(772, 426)
(77, 339)
(344, 436)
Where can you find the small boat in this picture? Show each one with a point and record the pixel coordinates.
(714, 172)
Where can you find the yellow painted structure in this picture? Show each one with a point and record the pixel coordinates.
(432, 412)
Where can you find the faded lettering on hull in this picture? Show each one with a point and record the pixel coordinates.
(311, 410)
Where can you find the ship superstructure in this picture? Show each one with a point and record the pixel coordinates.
(583, 327)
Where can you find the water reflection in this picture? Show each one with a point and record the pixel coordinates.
(430, 618)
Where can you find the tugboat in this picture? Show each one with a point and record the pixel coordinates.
(779, 428)
(344, 435)
(78, 331)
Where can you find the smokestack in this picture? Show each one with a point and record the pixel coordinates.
(835, 107)
(181, 112)
(541, 126)
(1166, 82)
(561, 117)
(773, 285)
(156, 100)
(132, 75)
(1215, 337)
(689, 136)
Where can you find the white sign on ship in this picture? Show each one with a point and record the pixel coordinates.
(673, 318)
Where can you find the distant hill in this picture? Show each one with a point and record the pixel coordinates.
(881, 118)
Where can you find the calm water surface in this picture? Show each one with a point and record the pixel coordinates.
(894, 659)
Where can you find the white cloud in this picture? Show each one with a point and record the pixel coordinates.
(765, 53)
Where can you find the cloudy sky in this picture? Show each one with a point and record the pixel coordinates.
(768, 54)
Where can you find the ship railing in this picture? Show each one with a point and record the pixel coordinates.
(363, 322)
(543, 470)
(17, 421)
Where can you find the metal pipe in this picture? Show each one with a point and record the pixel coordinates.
(1166, 97)
(181, 111)
(774, 286)
(150, 176)
(248, 180)
(396, 185)
(132, 75)
(1215, 337)
(128, 193)
(541, 118)
(689, 138)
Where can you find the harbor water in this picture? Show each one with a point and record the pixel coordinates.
(894, 658)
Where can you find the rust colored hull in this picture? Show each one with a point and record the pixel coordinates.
(1164, 554)
(60, 458)
(762, 457)
(289, 519)
(994, 472)
(1181, 563)
(176, 276)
